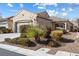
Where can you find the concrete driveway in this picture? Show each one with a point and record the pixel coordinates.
(4, 52)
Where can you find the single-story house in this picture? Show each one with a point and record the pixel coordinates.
(25, 17)
(62, 23)
(76, 25)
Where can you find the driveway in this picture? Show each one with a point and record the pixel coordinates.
(4, 52)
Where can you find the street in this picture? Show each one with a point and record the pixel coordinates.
(4, 52)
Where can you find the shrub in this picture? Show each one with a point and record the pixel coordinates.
(64, 31)
(9, 30)
(7, 39)
(23, 35)
(13, 41)
(5, 30)
(1, 32)
(23, 28)
(25, 42)
(41, 31)
(31, 31)
(22, 41)
(47, 33)
(57, 34)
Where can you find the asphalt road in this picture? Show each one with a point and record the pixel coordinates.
(4, 52)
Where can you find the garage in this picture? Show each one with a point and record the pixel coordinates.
(19, 25)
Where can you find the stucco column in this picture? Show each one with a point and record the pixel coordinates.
(13, 27)
(18, 28)
(65, 26)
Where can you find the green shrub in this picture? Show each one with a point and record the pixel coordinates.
(31, 31)
(57, 34)
(41, 31)
(64, 31)
(23, 28)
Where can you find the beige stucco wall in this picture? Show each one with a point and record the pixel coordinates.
(45, 23)
(19, 24)
(69, 25)
(66, 25)
(24, 15)
(10, 24)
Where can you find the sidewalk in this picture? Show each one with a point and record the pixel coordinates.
(24, 51)
(65, 53)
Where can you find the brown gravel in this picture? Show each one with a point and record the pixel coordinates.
(26, 47)
(69, 47)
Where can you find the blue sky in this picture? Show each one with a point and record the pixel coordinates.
(64, 10)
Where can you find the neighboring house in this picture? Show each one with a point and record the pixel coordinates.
(10, 22)
(62, 23)
(3, 23)
(76, 25)
(77, 22)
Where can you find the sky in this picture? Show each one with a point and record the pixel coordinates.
(64, 10)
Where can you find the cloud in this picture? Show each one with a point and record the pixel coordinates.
(36, 4)
(48, 4)
(44, 5)
(10, 5)
(63, 9)
(56, 12)
(21, 5)
(70, 9)
(40, 7)
(52, 12)
(64, 14)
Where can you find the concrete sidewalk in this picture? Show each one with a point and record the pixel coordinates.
(23, 51)
(65, 53)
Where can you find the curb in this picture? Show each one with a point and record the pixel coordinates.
(23, 51)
